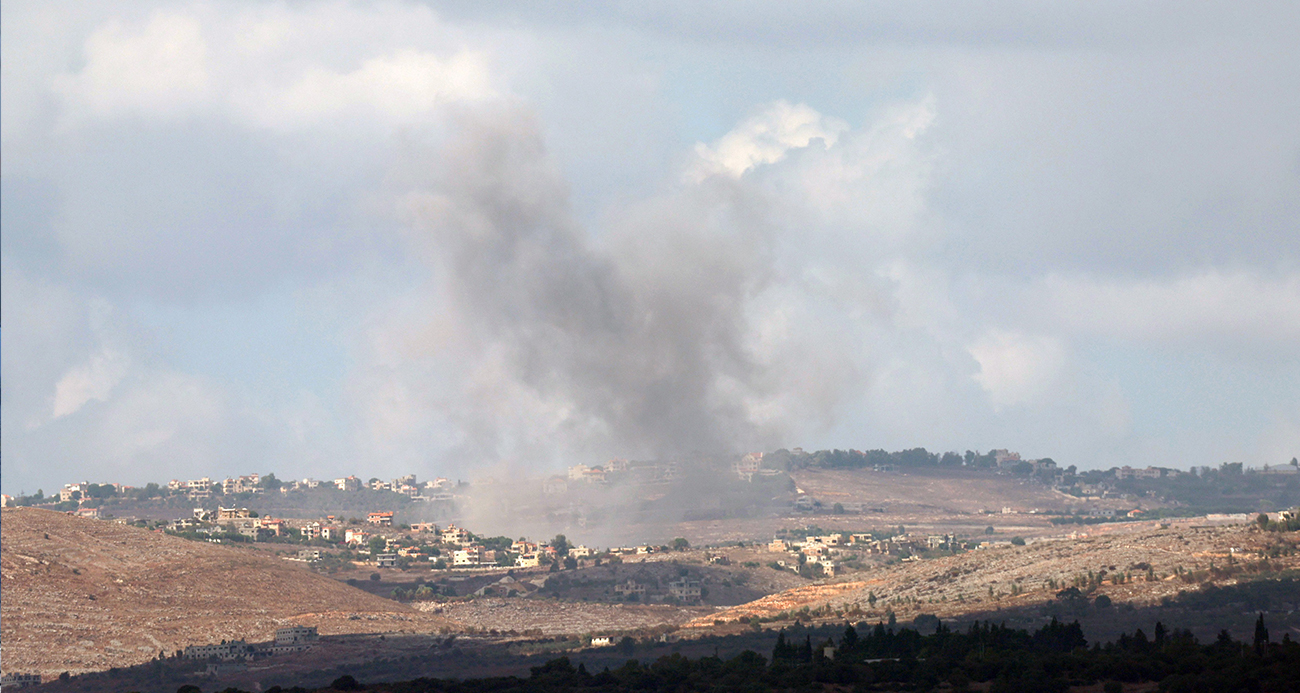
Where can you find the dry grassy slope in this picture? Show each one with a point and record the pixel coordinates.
(958, 585)
(83, 595)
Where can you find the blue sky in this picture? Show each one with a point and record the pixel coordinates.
(454, 238)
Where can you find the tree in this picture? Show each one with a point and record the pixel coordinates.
(680, 544)
(838, 508)
(377, 545)
(989, 529)
(850, 637)
(1018, 541)
(561, 545)
(374, 577)
(1261, 634)
(1262, 520)
(1102, 602)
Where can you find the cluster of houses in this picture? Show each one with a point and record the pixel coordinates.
(437, 489)
(684, 590)
(287, 640)
(612, 471)
(826, 551)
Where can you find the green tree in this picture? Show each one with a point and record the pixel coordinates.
(561, 544)
(680, 544)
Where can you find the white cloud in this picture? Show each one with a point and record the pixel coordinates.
(160, 69)
(271, 68)
(94, 379)
(764, 139)
(402, 87)
(1233, 308)
(1016, 368)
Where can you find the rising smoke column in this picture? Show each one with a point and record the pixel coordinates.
(632, 345)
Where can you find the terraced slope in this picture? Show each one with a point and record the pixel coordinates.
(1150, 562)
(83, 595)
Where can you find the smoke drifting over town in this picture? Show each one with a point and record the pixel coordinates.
(638, 340)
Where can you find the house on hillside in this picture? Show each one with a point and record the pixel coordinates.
(746, 467)
(14, 680)
(685, 590)
(383, 519)
(224, 514)
(235, 649)
(630, 588)
(468, 556)
(454, 535)
(273, 526)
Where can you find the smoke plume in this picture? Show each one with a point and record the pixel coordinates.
(635, 342)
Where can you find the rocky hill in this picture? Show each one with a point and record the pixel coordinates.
(83, 595)
(1138, 564)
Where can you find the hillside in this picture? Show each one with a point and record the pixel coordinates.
(1150, 562)
(83, 595)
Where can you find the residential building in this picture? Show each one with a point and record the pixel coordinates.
(386, 560)
(527, 560)
(555, 485)
(468, 556)
(577, 471)
(330, 533)
(581, 551)
(424, 527)
(602, 641)
(746, 467)
(274, 526)
(71, 492)
(225, 650)
(296, 634)
(309, 554)
(355, 536)
(454, 535)
(19, 680)
(383, 519)
(311, 530)
(224, 514)
(630, 588)
(685, 590)
(199, 488)
(251, 483)
(348, 483)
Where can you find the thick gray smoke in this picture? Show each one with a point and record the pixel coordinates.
(631, 343)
